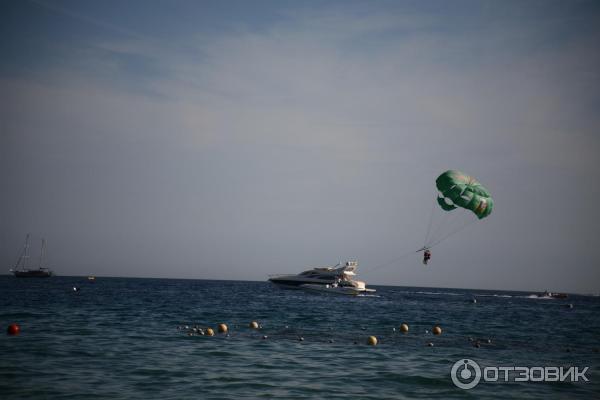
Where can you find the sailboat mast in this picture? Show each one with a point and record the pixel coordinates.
(43, 253)
(26, 251)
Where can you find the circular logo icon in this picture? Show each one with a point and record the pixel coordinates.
(465, 374)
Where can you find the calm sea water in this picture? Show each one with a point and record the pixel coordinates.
(119, 338)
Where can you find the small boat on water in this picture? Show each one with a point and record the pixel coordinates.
(336, 280)
(555, 295)
(21, 269)
(550, 295)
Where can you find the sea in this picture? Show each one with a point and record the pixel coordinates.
(129, 338)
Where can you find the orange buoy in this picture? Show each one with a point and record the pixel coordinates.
(253, 325)
(404, 328)
(436, 330)
(209, 332)
(372, 341)
(13, 329)
(222, 328)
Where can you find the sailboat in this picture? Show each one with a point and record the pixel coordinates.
(21, 270)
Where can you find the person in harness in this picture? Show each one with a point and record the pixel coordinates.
(426, 256)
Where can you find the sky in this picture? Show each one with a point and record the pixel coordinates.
(238, 139)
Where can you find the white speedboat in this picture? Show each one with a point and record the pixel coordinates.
(550, 295)
(318, 276)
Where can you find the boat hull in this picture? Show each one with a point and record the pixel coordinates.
(347, 291)
(33, 273)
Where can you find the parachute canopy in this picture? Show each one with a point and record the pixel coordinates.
(460, 190)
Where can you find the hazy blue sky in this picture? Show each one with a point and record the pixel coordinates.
(231, 140)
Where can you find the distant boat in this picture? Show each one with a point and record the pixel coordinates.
(318, 276)
(550, 295)
(21, 269)
(91, 278)
(336, 280)
(555, 295)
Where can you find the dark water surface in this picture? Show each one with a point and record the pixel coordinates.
(119, 338)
